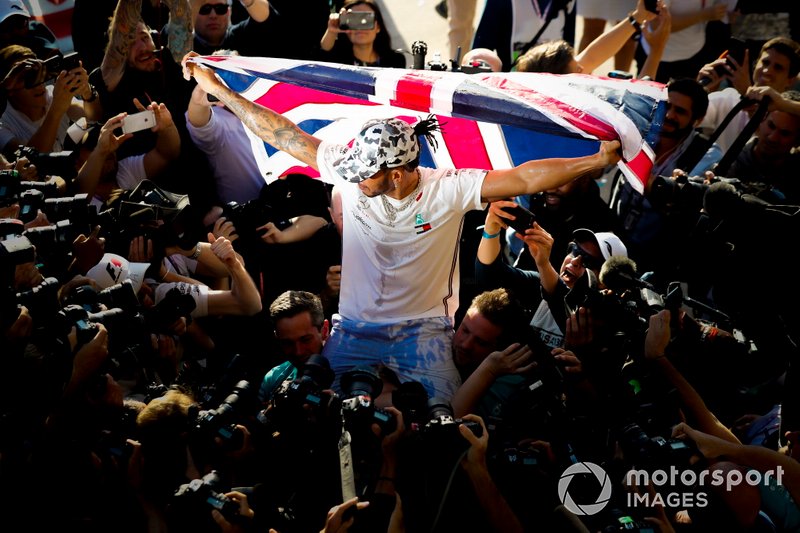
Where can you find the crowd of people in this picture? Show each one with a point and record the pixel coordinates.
(391, 348)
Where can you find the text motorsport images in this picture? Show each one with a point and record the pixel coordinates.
(692, 483)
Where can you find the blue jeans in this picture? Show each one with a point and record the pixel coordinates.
(416, 350)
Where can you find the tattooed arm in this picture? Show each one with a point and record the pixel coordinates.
(271, 127)
(121, 35)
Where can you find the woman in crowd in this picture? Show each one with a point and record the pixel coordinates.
(365, 47)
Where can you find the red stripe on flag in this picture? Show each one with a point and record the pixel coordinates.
(59, 22)
(577, 117)
(284, 97)
(465, 143)
(413, 91)
(641, 165)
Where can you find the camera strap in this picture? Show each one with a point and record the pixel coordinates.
(701, 144)
(346, 466)
(733, 152)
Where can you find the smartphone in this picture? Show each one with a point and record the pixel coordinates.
(737, 49)
(524, 218)
(357, 20)
(138, 121)
(620, 75)
(651, 5)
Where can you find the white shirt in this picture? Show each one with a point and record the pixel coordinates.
(226, 143)
(407, 268)
(15, 124)
(720, 103)
(686, 43)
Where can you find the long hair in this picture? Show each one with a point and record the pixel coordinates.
(382, 44)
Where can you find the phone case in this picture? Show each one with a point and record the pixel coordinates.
(138, 122)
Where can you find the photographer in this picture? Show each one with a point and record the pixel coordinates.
(38, 112)
(767, 163)
(366, 47)
(101, 172)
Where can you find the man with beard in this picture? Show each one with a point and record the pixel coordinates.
(646, 230)
(577, 204)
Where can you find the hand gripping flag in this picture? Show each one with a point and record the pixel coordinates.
(489, 120)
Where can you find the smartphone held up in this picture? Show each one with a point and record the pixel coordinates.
(139, 121)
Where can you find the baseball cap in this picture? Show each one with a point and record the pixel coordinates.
(13, 7)
(608, 243)
(113, 269)
(381, 143)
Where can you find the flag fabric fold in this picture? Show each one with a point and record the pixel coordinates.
(489, 120)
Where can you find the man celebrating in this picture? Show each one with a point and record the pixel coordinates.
(399, 288)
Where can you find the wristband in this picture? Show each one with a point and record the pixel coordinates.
(92, 97)
(488, 236)
(637, 28)
(196, 253)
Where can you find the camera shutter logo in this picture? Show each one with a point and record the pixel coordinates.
(602, 498)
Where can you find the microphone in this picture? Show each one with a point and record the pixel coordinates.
(619, 274)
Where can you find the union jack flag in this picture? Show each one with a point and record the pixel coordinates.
(489, 120)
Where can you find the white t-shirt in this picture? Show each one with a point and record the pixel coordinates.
(720, 104)
(404, 269)
(130, 173)
(15, 124)
(685, 43)
(230, 153)
(198, 292)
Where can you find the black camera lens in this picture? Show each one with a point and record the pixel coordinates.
(318, 371)
(361, 381)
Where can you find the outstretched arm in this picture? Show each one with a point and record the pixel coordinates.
(543, 174)
(610, 42)
(271, 127)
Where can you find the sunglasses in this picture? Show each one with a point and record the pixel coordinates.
(219, 9)
(587, 260)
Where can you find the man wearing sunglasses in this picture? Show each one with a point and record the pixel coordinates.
(542, 290)
(253, 36)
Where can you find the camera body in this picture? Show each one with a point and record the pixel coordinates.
(50, 163)
(656, 452)
(360, 387)
(220, 422)
(201, 496)
(441, 430)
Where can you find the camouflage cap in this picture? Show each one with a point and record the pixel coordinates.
(381, 143)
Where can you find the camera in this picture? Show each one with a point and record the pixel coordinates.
(50, 163)
(30, 201)
(42, 300)
(53, 242)
(411, 399)
(55, 64)
(9, 187)
(653, 452)
(360, 387)
(299, 404)
(441, 430)
(11, 227)
(198, 498)
(248, 216)
(220, 422)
